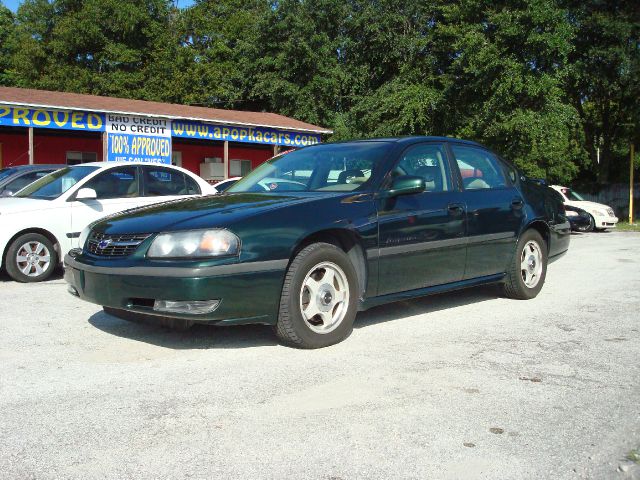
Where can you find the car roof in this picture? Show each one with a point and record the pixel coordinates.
(413, 139)
(39, 166)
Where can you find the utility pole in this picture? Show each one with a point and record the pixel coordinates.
(631, 159)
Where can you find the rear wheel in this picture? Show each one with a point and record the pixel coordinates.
(31, 258)
(318, 304)
(529, 267)
(135, 317)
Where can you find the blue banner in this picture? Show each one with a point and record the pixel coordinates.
(55, 119)
(11, 116)
(204, 131)
(138, 148)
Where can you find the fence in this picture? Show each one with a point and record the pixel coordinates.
(616, 195)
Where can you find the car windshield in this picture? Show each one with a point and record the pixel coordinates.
(55, 184)
(6, 172)
(571, 195)
(328, 167)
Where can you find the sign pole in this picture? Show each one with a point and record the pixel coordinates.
(632, 156)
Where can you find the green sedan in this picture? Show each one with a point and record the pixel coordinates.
(310, 238)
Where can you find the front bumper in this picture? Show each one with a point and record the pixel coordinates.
(246, 295)
(605, 222)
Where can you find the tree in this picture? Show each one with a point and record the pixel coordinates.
(7, 24)
(508, 63)
(604, 80)
(104, 47)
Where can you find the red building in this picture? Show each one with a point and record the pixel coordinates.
(38, 127)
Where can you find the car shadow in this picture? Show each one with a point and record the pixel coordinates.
(198, 337)
(426, 305)
(202, 337)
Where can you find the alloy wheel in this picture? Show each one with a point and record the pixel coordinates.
(531, 264)
(33, 259)
(324, 297)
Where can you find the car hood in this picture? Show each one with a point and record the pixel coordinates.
(585, 205)
(203, 212)
(10, 205)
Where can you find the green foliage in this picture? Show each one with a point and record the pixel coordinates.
(604, 79)
(543, 82)
(7, 24)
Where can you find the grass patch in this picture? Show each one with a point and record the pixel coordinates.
(634, 456)
(628, 227)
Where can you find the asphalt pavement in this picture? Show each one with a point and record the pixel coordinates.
(464, 385)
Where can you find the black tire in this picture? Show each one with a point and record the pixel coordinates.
(514, 285)
(15, 269)
(588, 228)
(177, 324)
(291, 328)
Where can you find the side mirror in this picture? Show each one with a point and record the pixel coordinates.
(405, 185)
(86, 194)
(6, 193)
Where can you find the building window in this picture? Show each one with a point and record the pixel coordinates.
(239, 168)
(74, 158)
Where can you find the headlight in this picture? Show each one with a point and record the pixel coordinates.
(194, 243)
(84, 235)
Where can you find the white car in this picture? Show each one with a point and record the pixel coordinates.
(602, 216)
(223, 185)
(44, 220)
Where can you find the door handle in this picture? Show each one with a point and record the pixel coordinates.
(517, 203)
(455, 210)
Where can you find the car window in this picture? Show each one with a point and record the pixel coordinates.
(192, 186)
(53, 185)
(160, 181)
(479, 169)
(6, 172)
(24, 180)
(511, 172)
(327, 167)
(120, 182)
(427, 161)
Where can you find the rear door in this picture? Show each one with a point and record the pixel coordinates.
(161, 184)
(422, 235)
(494, 210)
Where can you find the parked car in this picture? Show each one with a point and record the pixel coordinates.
(378, 221)
(224, 185)
(16, 178)
(43, 221)
(602, 216)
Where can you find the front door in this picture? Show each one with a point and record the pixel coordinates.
(422, 236)
(117, 189)
(494, 211)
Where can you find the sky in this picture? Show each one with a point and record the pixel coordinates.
(13, 4)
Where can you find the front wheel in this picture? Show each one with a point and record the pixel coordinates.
(529, 267)
(319, 297)
(31, 258)
(588, 228)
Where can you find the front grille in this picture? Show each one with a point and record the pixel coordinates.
(105, 245)
(610, 212)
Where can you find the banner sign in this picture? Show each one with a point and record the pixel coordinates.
(204, 131)
(154, 133)
(141, 139)
(56, 119)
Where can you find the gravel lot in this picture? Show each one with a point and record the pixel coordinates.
(462, 385)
